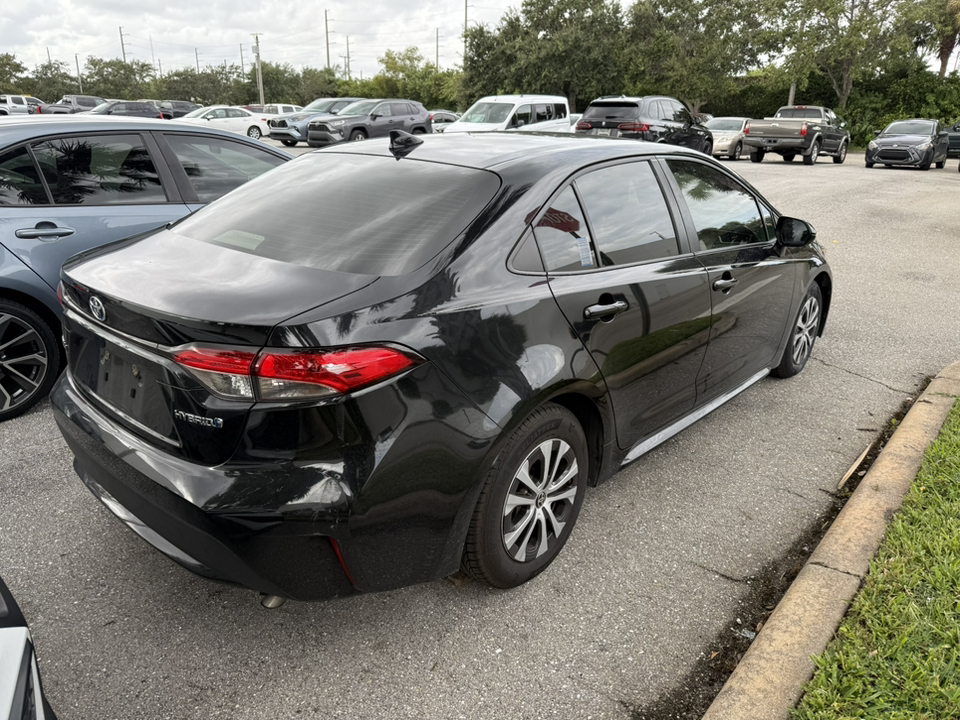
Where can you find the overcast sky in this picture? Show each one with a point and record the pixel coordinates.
(290, 32)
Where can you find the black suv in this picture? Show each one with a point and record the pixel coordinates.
(656, 118)
(370, 119)
(129, 109)
(177, 108)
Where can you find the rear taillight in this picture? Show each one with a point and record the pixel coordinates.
(633, 127)
(803, 130)
(584, 125)
(746, 128)
(293, 374)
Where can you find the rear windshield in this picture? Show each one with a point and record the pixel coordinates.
(347, 213)
(910, 127)
(799, 113)
(611, 111)
(88, 101)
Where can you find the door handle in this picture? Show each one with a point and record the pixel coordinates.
(598, 311)
(725, 283)
(49, 231)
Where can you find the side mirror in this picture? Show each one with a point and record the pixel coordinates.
(374, 116)
(521, 123)
(792, 232)
(843, 124)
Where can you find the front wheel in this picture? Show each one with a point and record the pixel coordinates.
(253, 132)
(841, 154)
(289, 143)
(530, 500)
(29, 359)
(804, 335)
(737, 151)
(357, 136)
(941, 164)
(868, 164)
(814, 154)
(757, 155)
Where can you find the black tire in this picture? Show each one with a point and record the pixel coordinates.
(290, 143)
(925, 166)
(941, 164)
(737, 151)
(803, 336)
(814, 153)
(707, 148)
(511, 538)
(29, 359)
(253, 132)
(419, 131)
(757, 155)
(789, 157)
(357, 135)
(868, 164)
(841, 155)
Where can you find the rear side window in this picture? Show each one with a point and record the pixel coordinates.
(628, 214)
(611, 111)
(99, 170)
(215, 166)
(20, 182)
(559, 111)
(543, 113)
(724, 212)
(348, 213)
(563, 236)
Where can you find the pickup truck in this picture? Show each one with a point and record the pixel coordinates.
(14, 105)
(805, 130)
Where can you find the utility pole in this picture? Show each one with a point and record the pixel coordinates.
(256, 50)
(326, 34)
(153, 57)
(123, 48)
(49, 59)
(160, 67)
(348, 57)
(196, 54)
(243, 68)
(76, 57)
(437, 63)
(465, 32)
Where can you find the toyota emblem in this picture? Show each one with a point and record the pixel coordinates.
(97, 309)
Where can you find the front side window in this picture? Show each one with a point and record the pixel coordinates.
(523, 115)
(20, 182)
(628, 213)
(215, 166)
(563, 236)
(724, 213)
(487, 112)
(99, 170)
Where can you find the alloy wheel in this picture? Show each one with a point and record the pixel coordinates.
(23, 361)
(540, 500)
(806, 331)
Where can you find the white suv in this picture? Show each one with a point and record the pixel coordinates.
(14, 105)
(515, 112)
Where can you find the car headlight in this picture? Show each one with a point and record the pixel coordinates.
(336, 123)
(872, 145)
(925, 146)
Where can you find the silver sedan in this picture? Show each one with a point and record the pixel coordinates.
(727, 136)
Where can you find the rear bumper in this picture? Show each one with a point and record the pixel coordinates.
(370, 494)
(797, 146)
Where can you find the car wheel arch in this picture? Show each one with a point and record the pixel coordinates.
(826, 291)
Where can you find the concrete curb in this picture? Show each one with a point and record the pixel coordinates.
(768, 682)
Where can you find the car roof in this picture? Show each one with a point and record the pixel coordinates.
(18, 129)
(501, 150)
(522, 98)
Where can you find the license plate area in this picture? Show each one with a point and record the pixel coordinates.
(771, 141)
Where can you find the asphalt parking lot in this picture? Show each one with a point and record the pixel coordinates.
(654, 571)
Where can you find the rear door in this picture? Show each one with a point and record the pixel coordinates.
(751, 285)
(75, 192)
(626, 281)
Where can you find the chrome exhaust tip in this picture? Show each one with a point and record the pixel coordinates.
(271, 602)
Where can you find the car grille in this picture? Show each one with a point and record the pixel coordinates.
(893, 155)
(319, 126)
(278, 123)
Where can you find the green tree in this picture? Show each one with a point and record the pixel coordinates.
(117, 79)
(50, 81)
(11, 73)
(316, 83)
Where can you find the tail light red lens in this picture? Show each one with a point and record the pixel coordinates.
(746, 128)
(293, 374)
(584, 125)
(803, 130)
(633, 127)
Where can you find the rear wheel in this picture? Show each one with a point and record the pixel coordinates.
(289, 143)
(737, 151)
(29, 359)
(811, 158)
(419, 131)
(530, 500)
(757, 155)
(841, 154)
(253, 132)
(804, 335)
(357, 136)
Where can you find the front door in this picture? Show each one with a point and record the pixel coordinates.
(632, 292)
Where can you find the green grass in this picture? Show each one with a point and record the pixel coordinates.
(897, 654)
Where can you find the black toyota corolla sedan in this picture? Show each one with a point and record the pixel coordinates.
(386, 362)
(916, 142)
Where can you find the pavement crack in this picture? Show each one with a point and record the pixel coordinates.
(830, 567)
(864, 377)
(720, 574)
